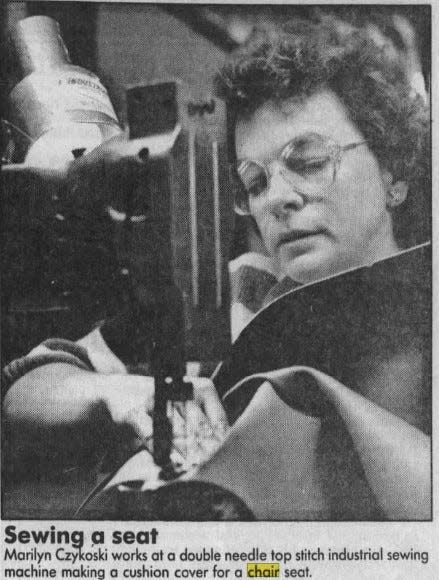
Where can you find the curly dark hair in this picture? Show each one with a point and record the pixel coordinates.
(301, 57)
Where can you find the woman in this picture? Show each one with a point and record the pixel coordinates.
(340, 111)
(330, 144)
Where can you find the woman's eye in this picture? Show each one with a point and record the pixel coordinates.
(255, 189)
(304, 166)
(257, 185)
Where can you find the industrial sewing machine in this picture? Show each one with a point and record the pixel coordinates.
(102, 222)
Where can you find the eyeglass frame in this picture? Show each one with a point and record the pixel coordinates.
(336, 154)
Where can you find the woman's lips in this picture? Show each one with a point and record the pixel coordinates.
(294, 236)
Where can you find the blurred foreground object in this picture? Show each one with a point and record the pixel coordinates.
(64, 109)
(57, 112)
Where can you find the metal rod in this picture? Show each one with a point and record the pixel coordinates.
(217, 223)
(193, 218)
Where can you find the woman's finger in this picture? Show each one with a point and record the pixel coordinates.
(141, 423)
(206, 396)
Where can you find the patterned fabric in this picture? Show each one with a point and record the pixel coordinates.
(252, 276)
(254, 282)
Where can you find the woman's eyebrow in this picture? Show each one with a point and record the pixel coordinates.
(308, 137)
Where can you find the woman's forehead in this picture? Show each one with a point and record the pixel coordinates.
(264, 134)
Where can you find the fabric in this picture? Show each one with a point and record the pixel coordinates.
(254, 282)
(252, 276)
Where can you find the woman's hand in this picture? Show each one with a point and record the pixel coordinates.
(129, 401)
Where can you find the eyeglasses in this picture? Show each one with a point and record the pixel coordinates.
(313, 159)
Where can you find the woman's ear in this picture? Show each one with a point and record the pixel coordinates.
(396, 193)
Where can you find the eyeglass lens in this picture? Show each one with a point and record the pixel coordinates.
(312, 158)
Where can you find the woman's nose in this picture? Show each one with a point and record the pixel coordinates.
(283, 193)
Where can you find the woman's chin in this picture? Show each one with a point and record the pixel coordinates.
(309, 267)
